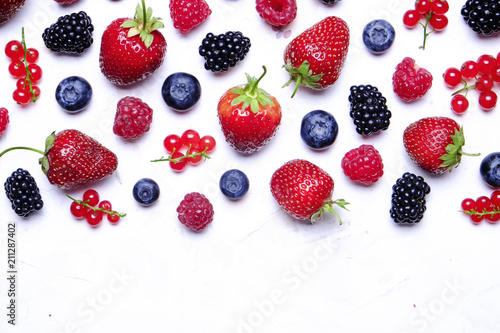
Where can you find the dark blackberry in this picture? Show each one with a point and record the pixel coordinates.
(71, 33)
(223, 51)
(329, 2)
(369, 110)
(408, 199)
(23, 193)
(482, 16)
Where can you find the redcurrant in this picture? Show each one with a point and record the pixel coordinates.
(32, 55)
(180, 163)
(438, 22)
(476, 218)
(484, 83)
(94, 217)
(452, 77)
(197, 158)
(190, 138)
(105, 205)
(483, 203)
(495, 74)
(14, 50)
(172, 142)
(35, 72)
(459, 104)
(495, 198)
(468, 204)
(493, 217)
(207, 143)
(17, 69)
(486, 63)
(439, 7)
(469, 69)
(22, 96)
(488, 100)
(78, 210)
(91, 197)
(411, 18)
(113, 218)
(422, 6)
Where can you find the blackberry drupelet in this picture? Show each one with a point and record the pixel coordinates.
(71, 33)
(408, 199)
(223, 51)
(22, 191)
(482, 16)
(368, 109)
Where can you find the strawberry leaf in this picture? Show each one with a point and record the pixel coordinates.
(143, 24)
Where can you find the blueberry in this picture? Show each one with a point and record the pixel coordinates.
(319, 129)
(73, 94)
(234, 184)
(181, 91)
(378, 36)
(490, 169)
(146, 191)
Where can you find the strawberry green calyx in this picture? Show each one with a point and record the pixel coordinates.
(251, 95)
(454, 151)
(328, 208)
(302, 76)
(143, 24)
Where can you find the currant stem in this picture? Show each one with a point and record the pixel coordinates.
(25, 63)
(178, 159)
(426, 34)
(465, 88)
(84, 203)
(483, 213)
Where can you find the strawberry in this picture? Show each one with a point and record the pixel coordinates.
(132, 50)
(435, 143)
(187, 14)
(304, 190)
(316, 57)
(9, 8)
(278, 13)
(249, 116)
(72, 159)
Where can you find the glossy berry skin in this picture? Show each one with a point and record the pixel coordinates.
(368, 109)
(23, 193)
(459, 104)
(452, 77)
(78, 210)
(71, 33)
(14, 50)
(319, 129)
(378, 36)
(363, 165)
(223, 51)
(234, 184)
(408, 202)
(411, 18)
(469, 69)
(207, 143)
(488, 100)
(179, 162)
(146, 191)
(190, 139)
(181, 91)
(438, 22)
(91, 197)
(94, 217)
(195, 211)
(482, 16)
(4, 120)
(439, 7)
(411, 82)
(278, 13)
(73, 94)
(172, 142)
(489, 169)
(188, 14)
(132, 119)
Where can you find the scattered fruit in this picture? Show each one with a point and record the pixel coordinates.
(482, 16)
(132, 119)
(4, 120)
(73, 94)
(22, 191)
(146, 191)
(181, 91)
(432, 11)
(234, 184)
(368, 109)
(319, 129)
(195, 211)
(278, 13)
(378, 36)
(71, 33)
(483, 208)
(9, 8)
(188, 14)
(316, 57)
(363, 164)
(223, 51)
(408, 202)
(410, 82)
(490, 169)
(93, 209)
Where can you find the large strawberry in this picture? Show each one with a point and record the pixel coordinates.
(316, 57)
(72, 159)
(435, 143)
(304, 190)
(132, 50)
(249, 116)
(9, 8)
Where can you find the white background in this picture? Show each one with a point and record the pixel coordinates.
(254, 269)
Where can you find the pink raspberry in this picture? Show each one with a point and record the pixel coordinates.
(411, 82)
(195, 211)
(133, 118)
(4, 120)
(363, 164)
(278, 13)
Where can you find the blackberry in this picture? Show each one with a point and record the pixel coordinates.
(329, 2)
(223, 51)
(482, 16)
(23, 193)
(368, 109)
(71, 33)
(408, 199)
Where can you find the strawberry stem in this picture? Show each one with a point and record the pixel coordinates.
(85, 203)
(20, 147)
(328, 207)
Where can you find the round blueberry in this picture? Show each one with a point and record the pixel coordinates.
(146, 191)
(319, 129)
(490, 169)
(378, 36)
(234, 184)
(73, 94)
(181, 91)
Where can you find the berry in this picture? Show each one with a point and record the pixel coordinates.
(14, 50)
(177, 161)
(488, 100)
(408, 202)
(22, 191)
(146, 191)
(368, 109)
(187, 14)
(486, 63)
(495, 198)
(92, 209)
(65, 2)
(438, 22)
(195, 211)
(78, 210)
(439, 7)
(190, 138)
(91, 197)
(278, 13)
(319, 129)
(482, 16)
(452, 77)
(32, 55)
(223, 51)
(363, 165)
(329, 2)
(207, 144)
(468, 204)
(489, 169)
(484, 83)
(469, 69)
(411, 18)
(423, 6)
(459, 104)
(234, 184)
(73, 94)
(17, 69)
(411, 82)
(378, 36)
(172, 142)
(94, 217)
(22, 96)
(4, 120)
(71, 33)
(181, 91)
(132, 119)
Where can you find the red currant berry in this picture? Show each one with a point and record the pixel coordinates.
(196, 159)
(17, 69)
(469, 69)
(91, 197)
(78, 210)
(476, 219)
(94, 217)
(14, 50)
(493, 217)
(22, 84)
(207, 143)
(411, 18)
(32, 55)
(438, 22)
(105, 204)
(422, 6)
(483, 203)
(440, 7)
(35, 73)
(452, 77)
(495, 198)
(468, 204)
(488, 100)
(484, 83)
(22, 96)
(36, 92)
(172, 142)
(113, 218)
(190, 138)
(486, 63)
(178, 165)
(459, 104)
(495, 74)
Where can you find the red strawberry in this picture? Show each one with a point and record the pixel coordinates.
(8, 8)
(435, 143)
(410, 82)
(249, 116)
(278, 13)
(72, 159)
(316, 57)
(187, 14)
(132, 50)
(304, 190)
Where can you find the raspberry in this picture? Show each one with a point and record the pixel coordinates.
(411, 82)
(369, 110)
(4, 120)
(408, 199)
(187, 14)
(363, 164)
(278, 13)
(22, 191)
(195, 211)
(133, 118)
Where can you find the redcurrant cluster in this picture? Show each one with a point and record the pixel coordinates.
(196, 148)
(483, 208)
(93, 209)
(483, 72)
(432, 11)
(23, 67)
